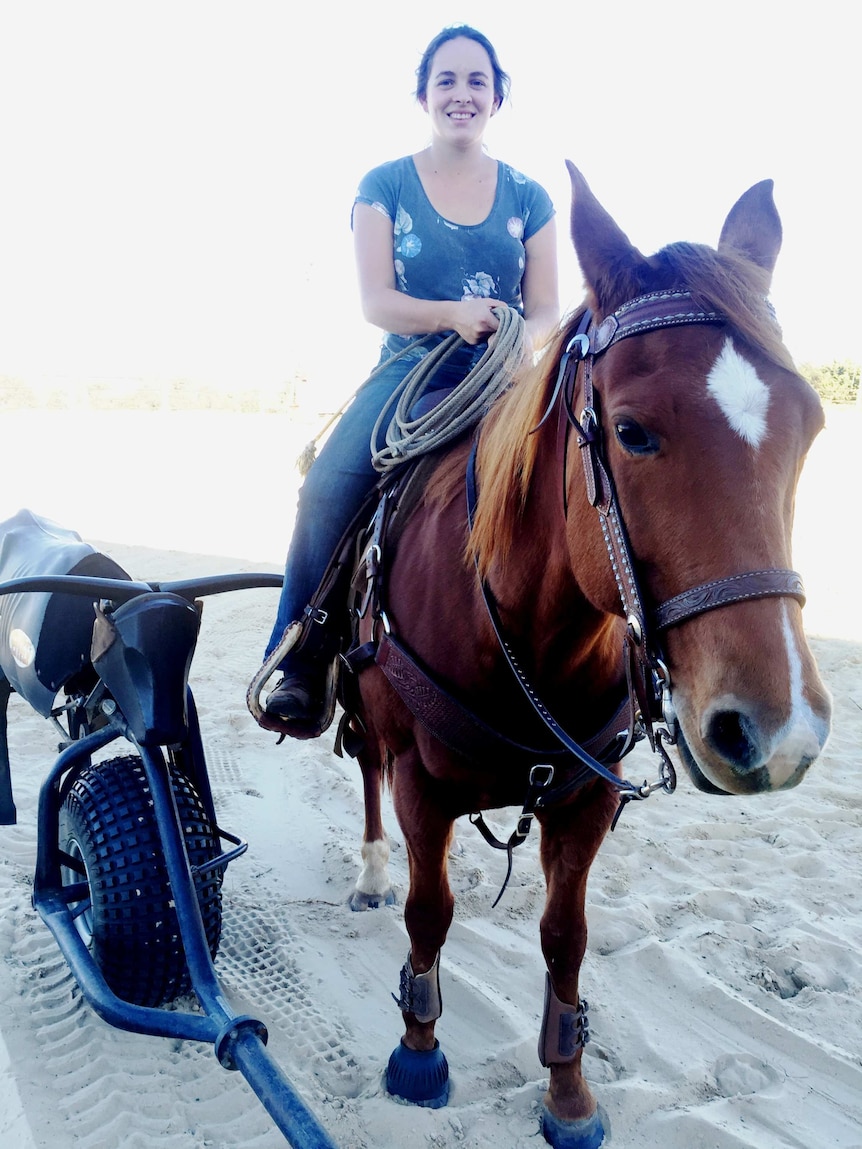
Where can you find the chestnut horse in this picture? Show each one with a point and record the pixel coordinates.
(623, 573)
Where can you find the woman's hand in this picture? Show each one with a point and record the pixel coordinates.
(474, 318)
(392, 310)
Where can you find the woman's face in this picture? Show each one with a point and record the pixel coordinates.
(460, 95)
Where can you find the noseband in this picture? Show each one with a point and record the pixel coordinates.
(646, 313)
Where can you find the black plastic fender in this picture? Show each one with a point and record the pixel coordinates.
(142, 650)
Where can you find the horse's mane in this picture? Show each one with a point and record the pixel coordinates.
(507, 454)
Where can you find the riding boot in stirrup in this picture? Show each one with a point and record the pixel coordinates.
(301, 694)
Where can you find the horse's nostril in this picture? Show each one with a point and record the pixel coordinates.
(730, 733)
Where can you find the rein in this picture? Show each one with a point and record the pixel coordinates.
(540, 795)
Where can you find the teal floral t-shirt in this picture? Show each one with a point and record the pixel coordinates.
(437, 259)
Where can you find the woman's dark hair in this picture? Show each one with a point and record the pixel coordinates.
(456, 31)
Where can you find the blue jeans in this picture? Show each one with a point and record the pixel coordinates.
(342, 475)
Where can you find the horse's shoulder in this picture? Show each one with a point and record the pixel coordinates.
(432, 482)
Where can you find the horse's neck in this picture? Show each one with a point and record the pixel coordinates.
(541, 599)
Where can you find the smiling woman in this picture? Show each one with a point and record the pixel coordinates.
(466, 86)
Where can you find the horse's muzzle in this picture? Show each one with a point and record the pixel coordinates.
(737, 767)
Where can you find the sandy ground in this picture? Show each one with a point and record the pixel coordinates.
(723, 967)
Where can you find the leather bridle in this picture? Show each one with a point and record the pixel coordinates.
(646, 313)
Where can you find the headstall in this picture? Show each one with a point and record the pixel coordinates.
(650, 312)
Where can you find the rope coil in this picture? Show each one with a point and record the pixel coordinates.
(462, 408)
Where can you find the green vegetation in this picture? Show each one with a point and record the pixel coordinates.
(836, 383)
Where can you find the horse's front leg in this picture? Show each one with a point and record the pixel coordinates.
(417, 1069)
(571, 837)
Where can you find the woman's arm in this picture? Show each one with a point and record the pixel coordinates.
(387, 307)
(540, 287)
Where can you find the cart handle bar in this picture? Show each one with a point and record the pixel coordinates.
(122, 590)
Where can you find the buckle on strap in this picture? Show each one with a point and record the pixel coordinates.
(541, 776)
(316, 614)
(525, 822)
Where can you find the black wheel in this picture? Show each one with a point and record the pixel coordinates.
(109, 835)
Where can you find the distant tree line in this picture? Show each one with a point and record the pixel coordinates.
(837, 382)
(177, 395)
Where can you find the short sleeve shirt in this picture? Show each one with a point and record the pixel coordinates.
(437, 259)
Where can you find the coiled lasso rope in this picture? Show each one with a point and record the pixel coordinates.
(458, 410)
(463, 407)
(309, 452)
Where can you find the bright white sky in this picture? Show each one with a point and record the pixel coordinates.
(176, 176)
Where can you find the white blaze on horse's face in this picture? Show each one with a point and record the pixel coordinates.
(804, 734)
(772, 756)
(741, 394)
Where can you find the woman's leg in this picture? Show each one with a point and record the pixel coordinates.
(334, 488)
(332, 494)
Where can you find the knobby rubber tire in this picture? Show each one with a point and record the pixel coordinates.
(108, 825)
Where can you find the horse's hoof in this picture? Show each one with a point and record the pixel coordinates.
(359, 901)
(419, 1076)
(586, 1133)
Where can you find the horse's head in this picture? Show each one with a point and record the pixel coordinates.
(705, 427)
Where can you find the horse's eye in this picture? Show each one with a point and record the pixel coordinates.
(634, 438)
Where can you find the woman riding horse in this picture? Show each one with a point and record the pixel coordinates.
(443, 239)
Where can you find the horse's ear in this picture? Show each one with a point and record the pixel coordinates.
(753, 227)
(603, 249)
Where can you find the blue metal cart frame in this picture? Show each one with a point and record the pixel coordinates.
(160, 719)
